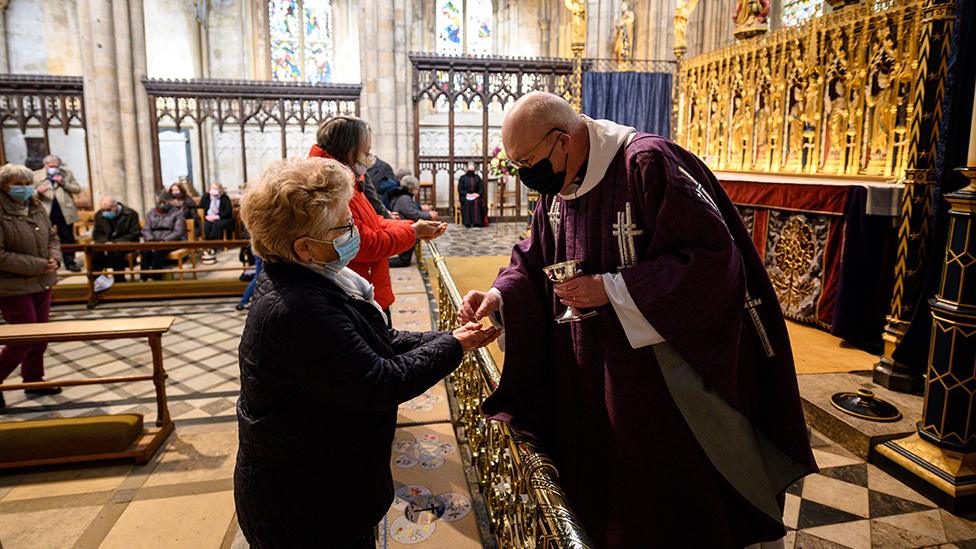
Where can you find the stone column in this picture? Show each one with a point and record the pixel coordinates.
(116, 109)
(385, 73)
(4, 55)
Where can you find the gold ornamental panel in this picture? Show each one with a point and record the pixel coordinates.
(830, 97)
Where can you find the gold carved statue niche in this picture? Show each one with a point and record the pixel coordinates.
(765, 119)
(878, 104)
(834, 142)
(623, 41)
(751, 18)
(793, 146)
(740, 123)
(715, 130)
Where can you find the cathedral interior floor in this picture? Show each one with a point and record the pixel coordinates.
(184, 496)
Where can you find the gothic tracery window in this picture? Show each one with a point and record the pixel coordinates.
(301, 40)
(464, 27)
(797, 12)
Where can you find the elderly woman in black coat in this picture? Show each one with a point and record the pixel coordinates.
(321, 374)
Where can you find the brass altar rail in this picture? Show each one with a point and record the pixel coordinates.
(831, 97)
(526, 506)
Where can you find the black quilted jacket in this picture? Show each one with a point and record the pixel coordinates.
(321, 378)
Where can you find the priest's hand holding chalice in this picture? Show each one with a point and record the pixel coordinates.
(575, 290)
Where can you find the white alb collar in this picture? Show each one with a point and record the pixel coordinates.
(606, 138)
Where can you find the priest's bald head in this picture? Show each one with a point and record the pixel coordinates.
(547, 140)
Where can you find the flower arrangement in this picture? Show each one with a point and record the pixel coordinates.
(500, 165)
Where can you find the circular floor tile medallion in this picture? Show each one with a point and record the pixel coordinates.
(425, 509)
(409, 533)
(401, 446)
(446, 448)
(457, 506)
(424, 402)
(406, 494)
(429, 462)
(404, 461)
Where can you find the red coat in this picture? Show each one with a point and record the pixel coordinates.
(379, 239)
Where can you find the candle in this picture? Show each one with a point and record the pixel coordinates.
(971, 159)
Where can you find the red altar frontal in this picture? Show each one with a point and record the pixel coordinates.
(828, 245)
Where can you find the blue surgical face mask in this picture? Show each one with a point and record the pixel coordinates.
(21, 193)
(108, 214)
(53, 171)
(347, 246)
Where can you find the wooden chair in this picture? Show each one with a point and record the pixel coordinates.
(84, 226)
(426, 193)
(503, 196)
(183, 254)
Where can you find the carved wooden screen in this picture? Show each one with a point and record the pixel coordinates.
(830, 97)
(240, 104)
(476, 83)
(44, 103)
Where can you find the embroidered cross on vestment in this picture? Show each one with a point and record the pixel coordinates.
(554, 215)
(625, 230)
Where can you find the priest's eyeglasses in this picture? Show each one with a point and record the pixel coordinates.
(524, 163)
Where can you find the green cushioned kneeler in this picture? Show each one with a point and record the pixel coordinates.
(52, 438)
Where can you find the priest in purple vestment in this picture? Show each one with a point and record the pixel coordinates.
(673, 414)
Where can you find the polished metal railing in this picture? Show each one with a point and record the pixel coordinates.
(526, 506)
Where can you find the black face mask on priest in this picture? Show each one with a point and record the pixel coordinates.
(541, 176)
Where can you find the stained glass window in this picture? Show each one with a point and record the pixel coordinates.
(464, 27)
(797, 12)
(301, 40)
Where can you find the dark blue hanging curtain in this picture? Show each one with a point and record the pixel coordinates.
(638, 99)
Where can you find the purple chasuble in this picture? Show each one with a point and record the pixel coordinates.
(634, 470)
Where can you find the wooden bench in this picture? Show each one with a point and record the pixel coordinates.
(151, 328)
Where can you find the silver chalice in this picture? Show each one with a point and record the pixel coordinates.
(564, 272)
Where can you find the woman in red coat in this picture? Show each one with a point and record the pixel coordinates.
(348, 140)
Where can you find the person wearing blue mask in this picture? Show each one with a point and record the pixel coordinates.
(114, 222)
(57, 188)
(30, 255)
(319, 364)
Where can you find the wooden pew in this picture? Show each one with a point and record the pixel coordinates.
(151, 328)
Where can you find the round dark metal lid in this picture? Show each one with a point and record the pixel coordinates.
(863, 404)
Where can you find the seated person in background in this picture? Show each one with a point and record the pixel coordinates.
(164, 223)
(319, 364)
(403, 200)
(383, 178)
(114, 222)
(218, 216)
(56, 188)
(186, 203)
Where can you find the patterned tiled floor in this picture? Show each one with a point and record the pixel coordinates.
(199, 353)
(853, 504)
(495, 239)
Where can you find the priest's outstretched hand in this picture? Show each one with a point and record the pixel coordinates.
(478, 305)
(584, 292)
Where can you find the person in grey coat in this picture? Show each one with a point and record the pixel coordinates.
(55, 186)
(403, 201)
(164, 223)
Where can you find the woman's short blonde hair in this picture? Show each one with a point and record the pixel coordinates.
(15, 174)
(295, 198)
